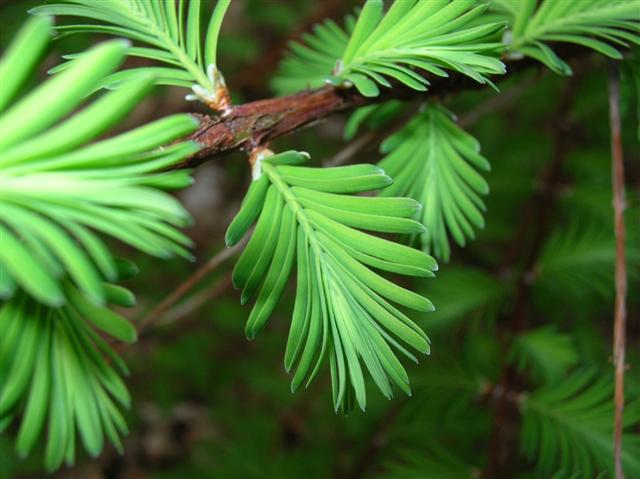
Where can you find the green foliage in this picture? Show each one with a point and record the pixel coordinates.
(373, 116)
(171, 31)
(465, 293)
(451, 385)
(57, 192)
(448, 395)
(630, 76)
(435, 162)
(308, 66)
(437, 463)
(56, 189)
(567, 428)
(430, 36)
(342, 307)
(595, 24)
(22, 55)
(545, 352)
(55, 372)
(580, 258)
(591, 204)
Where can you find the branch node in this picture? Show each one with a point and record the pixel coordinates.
(256, 155)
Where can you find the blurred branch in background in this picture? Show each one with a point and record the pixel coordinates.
(196, 301)
(185, 287)
(620, 314)
(522, 254)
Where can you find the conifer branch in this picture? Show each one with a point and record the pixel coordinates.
(254, 124)
(620, 266)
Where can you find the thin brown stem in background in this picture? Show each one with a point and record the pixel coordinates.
(184, 310)
(186, 286)
(620, 312)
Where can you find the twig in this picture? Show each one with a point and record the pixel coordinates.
(254, 124)
(186, 286)
(196, 301)
(620, 314)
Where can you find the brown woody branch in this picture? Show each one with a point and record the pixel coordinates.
(256, 123)
(620, 267)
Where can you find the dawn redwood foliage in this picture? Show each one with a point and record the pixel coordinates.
(347, 235)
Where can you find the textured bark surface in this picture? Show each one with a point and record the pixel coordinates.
(256, 123)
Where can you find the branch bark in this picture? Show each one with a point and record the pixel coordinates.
(620, 313)
(255, 124)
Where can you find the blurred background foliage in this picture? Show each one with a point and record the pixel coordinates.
(531, 298)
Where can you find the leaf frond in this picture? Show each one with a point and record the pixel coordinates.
(567, 428)
(545, 352)
(57, 190)
(373, 117)
(170, 31)
(463, 294)
(436, 162)
(411, 37)
(343, 308)
(60, 376)
(581, 257)
(436, 462)
(600, 25)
